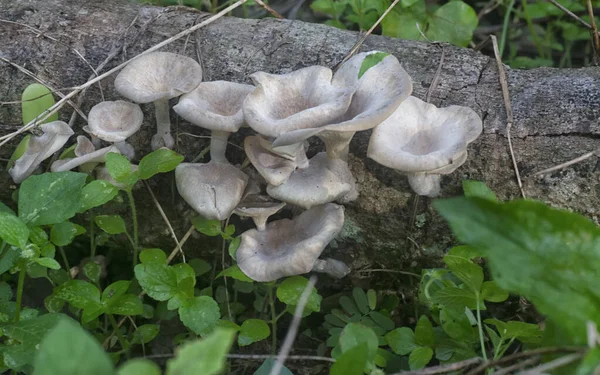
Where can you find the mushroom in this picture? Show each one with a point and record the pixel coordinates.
(425, 142)
(39, 148)
(213, 190)
(324, 180)
(85, 153)
(115, 122)
(377, 94)
(289, 247)
(274, 168)
(216, 106)
(304, 99)
(259, 208)
(158, 77)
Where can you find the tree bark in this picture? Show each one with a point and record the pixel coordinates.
(556, 111)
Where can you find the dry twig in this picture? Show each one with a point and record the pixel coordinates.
(270, 10)
(569, 163)
(442, 369)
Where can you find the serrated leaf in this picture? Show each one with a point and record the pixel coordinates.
(290, 290)
(208, 227)
(145, 333)
(478, 189)
(253, 330)
(158, 280)
(50, 198)
(35, 100)
(97, 193)
(63, 233)
(200, 314)
(401, 340)
(139, 367)
(419, 358)
(13, 230)
(236, 273)
(360, 298)
(206, 356)
(111, 224)
(70, 350)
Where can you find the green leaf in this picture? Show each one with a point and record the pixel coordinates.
(153, 256)
(127, 304)
(370, 61)
(13, 230)
(145, 333)
(50, 198)
(200, 266)
(92, 271)
(372, 298)
(35, 100)
(590, 363)
(453, 22)
(69, 349)
(361, 300)
(158, 280)
(349, 305)
(116, 289)
(233, 246)
(208, 227)
(546, 255)
(111, 224)
(351, 362)
(48, 263)
(236, 273)
(490, 291)
(159, 161)
(63, 233)
(200, 314)
(456, 324)
(456, 298)
(419, 358)
(38, 236)
(383, 321)
(120, 169)
(267, 366)
(19, 151)
(206, 356)
(97, 193)
(404, 25)
(469, 273)
(139, 367)
(253, 330)
(525, 332)
(478, 189)
(290, 290)
(424, 332)
(401, 340)
(355, 334)
(79, 293)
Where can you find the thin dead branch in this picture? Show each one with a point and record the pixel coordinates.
(569, 163)
(270, 10)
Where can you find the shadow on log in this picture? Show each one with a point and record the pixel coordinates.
(557, 112)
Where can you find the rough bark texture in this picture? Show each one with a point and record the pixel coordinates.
(557, 112)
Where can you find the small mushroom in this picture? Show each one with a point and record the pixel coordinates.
(85, 153)
(259, 208)
(377, 94)
(55, 135)
(274, 168)
(216, 106)
(158, 77)
(289, 247)
(333, 267)
(115, 122)
(425, 142)
(213, 190)
(324, 180)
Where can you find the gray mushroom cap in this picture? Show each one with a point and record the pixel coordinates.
(213, 190)
(114, 121)
(289, 247)
(421, 139)
(85, 152)
(324, 180)
(55, 135)
(272, 167)
(259, 208)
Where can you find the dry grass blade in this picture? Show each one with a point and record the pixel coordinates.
(259, 357)
(60, 103)
(293, 330)
(442, 369)
(568, 163)
(270, 10)
(594, 31)
(570, 14)
(557, 363)
(509, 113)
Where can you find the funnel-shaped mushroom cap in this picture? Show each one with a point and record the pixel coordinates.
(420, 137)
(289, 247)
(324, 180)
(158, 75)
(215, 105)
(275, 169)
(56, 134)
(213, 190)
(259, 208)
(302, 99)
(86, 153)
(114, 121)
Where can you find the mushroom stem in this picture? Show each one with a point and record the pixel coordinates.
(337, 144)
(301, 159)
(218, 146)
(260, 222)
(334, 268)
(126, 149)
(425, 184)
(163, 137)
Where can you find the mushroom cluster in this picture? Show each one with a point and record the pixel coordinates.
(369, 91)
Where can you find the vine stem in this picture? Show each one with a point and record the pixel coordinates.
(273, 322)
(113, 322)
(92, 237)
(505, 27)
(135, 226)
(20, 293)
(479, 326)
(65, 260)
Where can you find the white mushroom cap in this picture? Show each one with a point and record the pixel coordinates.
(213, 190)
(86, 153)
(301, 99)
(215, 105)
(114, 121)
(324, 180)
(275, 169)
(259, 208)
(158, 75)
(56, 134)
(420, 138)
(289, 247)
